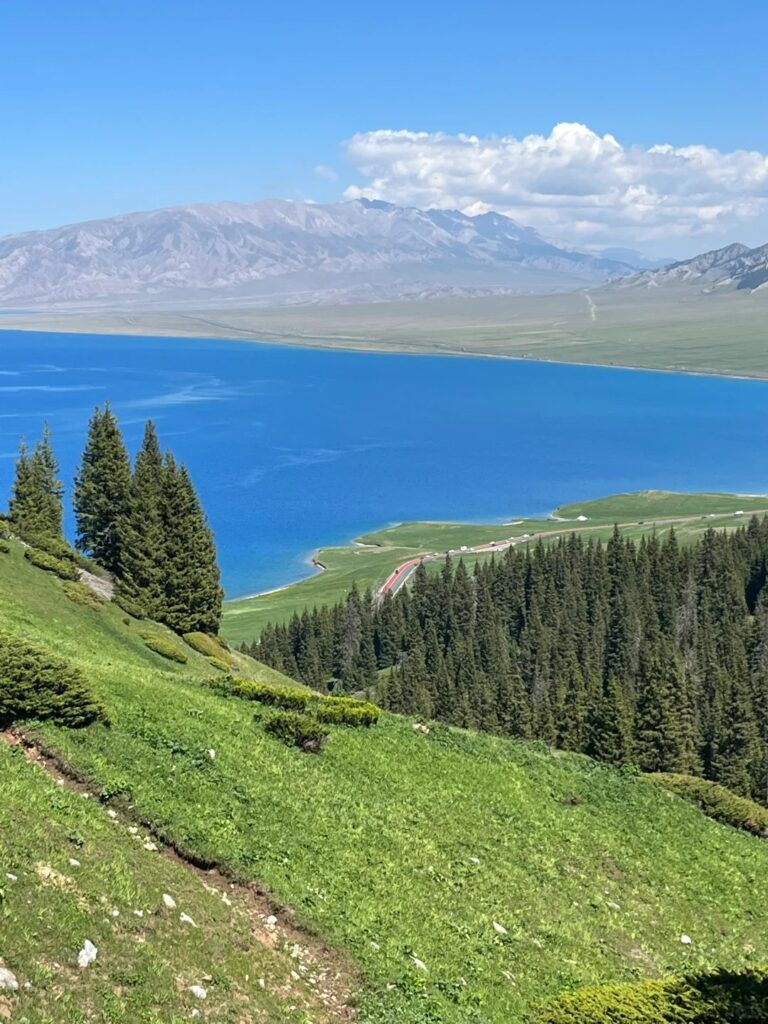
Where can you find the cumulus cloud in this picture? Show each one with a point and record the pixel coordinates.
(572, 183)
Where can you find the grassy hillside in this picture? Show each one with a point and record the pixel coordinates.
(467, 877)
(71, 874)
(372, 558)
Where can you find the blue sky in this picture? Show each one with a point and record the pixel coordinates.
(111, 107)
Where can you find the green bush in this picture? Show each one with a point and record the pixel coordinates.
(206, 644)
(297, 730)
(717, 802)
(53, 546)
(721, 997)
(4, 548)
(289, 697)
(346, 711)
(219, 663)
(332, 710)
(79, 593)
(164, 647)
(34, 683)
(65, 570)
(5, 530)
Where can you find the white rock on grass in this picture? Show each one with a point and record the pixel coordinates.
(8, 980)
(686, 940)
(169, 901)
(87, 954)
(198, 991)
(11, 877)
(211, 753)
(418, 964)
(149, 845)
(186, 919)
(74, 863)
(499, 928)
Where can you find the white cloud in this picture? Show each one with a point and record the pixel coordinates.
(326, 172)
(573, 183)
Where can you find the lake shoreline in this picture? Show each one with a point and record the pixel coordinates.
(361, 347)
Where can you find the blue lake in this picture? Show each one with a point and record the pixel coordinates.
(296, 448)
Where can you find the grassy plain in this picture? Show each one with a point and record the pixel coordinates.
(370, 560)
(466, 876)
(678, 328)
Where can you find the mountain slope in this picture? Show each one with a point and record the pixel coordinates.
(405, 850)
(735, 267)
(279, 251)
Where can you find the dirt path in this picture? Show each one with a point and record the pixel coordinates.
(333, 978)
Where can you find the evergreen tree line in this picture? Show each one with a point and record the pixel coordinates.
(649, 653)
(143, 523)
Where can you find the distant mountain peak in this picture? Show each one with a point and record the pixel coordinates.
(277, 251)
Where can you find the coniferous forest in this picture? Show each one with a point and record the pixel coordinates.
(144, 523)
(647, 653)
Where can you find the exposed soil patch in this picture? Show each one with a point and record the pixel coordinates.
(330, 976)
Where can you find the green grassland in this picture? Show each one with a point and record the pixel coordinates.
(71, 873)
(403, 851)
(675, 328)
(369, 561)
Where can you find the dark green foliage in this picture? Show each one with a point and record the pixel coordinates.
(35, 509)
(4, 547)
(36, 684)
(80, 593)
(298, 730)
(219, 663)
(287, 697)
(102, 490)
(54, 546)
(192, 590)
(165, 647)
(717, 802)
(721, 997)
(636, 653)
(65, 570)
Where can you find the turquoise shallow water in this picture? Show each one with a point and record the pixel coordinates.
(295, 448)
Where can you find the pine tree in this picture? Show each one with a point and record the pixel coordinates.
(36, 510)
(142, 541)
(192, 592)
(102, 491)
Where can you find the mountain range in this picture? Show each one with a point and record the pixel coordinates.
(277, 252)
(735, 267)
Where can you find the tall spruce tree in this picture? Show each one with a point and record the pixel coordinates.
(142, 539)
(102, 491)
(36, 509)
(192, 592)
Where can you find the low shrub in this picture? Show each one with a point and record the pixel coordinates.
(332, 710)
(711, 998)
(717, 802)
(164, 647)
(53, 546)
(346, 711)
(4, 548)
(37, 684)
(289, 697)
(206, 644)
(5, 530)
(298, 730)
(79, 593)
(219, 663)
(64, 569)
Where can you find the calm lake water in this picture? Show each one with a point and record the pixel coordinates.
(296, 448)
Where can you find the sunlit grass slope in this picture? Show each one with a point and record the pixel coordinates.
(467, 876)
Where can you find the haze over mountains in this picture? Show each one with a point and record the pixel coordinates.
(277, 252)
